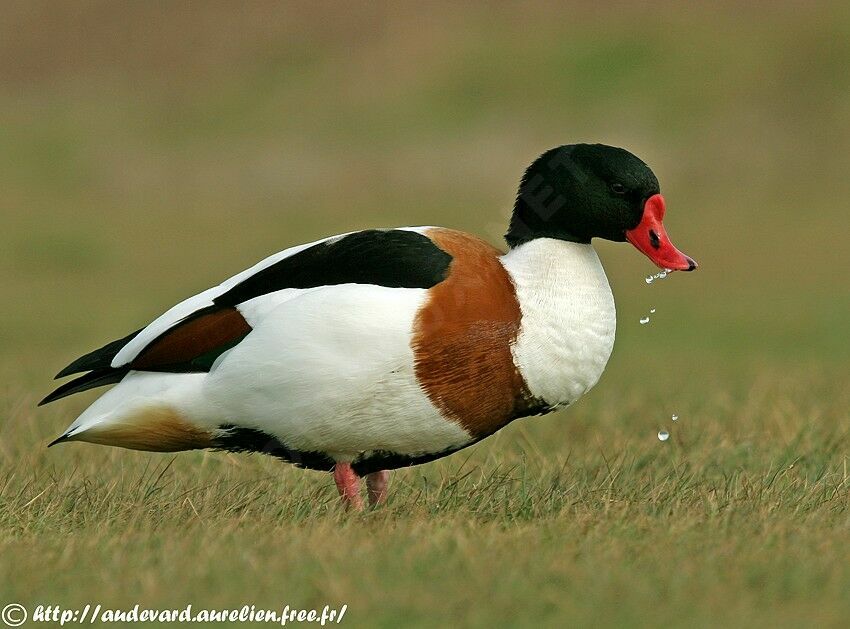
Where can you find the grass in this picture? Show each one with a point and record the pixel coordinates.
(741, 518)
(149, 154)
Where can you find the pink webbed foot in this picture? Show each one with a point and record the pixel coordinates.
(376, 485)
(348, 485)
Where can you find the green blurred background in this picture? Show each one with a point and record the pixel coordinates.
(149, 150)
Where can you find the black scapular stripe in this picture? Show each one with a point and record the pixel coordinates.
(392, 258)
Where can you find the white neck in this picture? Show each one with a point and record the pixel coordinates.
(568, 317)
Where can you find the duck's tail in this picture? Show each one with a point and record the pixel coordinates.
(145, 411)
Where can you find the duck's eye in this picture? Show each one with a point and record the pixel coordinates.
(618, 188)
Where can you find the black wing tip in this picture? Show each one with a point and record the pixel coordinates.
(53, 396)
(97, 378)
(77, 366)
(91, 361)
(99, 359)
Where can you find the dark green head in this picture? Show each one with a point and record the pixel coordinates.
(578, 192)
(581, 191)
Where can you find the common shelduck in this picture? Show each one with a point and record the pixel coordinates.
(384, 348)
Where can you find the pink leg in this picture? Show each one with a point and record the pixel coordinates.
(376, 485)
(348, 485)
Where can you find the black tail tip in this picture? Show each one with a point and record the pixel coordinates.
(58, 440)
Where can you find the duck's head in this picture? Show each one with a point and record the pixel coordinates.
(582, 191)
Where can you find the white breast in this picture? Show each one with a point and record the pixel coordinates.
(568, 317)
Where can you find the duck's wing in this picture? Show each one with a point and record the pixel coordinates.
(193, 334)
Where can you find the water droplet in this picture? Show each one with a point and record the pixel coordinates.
(675, 418)
(649, 279)
(663, 435)
(644, 320)
(652, 311)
